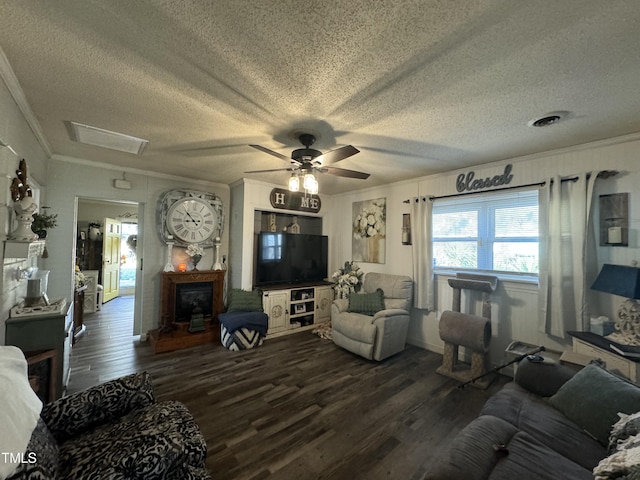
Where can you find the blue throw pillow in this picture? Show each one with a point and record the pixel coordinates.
(366, 303)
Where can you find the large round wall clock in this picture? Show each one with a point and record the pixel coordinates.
(189, 216)
(192, 220)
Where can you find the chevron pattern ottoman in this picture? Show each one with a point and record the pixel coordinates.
(243, 330)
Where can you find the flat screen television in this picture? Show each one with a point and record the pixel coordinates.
(289, 258)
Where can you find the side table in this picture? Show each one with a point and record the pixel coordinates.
(596, 346)
(45, 332)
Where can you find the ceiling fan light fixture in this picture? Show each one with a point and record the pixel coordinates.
(294, 183)
(310, 183)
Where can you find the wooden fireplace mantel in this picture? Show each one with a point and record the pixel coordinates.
(173, 334)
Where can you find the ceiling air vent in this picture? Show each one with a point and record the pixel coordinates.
(549, 119)
(107, 139)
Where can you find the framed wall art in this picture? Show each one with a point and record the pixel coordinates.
(369, 227)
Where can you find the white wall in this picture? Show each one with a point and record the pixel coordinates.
(514, 305)
(15, 131)
(70, 179)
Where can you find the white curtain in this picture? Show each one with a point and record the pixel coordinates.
(421, 233)
(566, 206)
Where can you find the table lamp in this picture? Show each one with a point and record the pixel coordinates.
(623, 281)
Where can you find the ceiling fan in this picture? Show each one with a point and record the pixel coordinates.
(306, 161)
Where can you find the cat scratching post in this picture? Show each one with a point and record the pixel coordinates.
(470, 331)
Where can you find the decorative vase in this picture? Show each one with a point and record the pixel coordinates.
(196, 259)
(373, 249)
(24, 215)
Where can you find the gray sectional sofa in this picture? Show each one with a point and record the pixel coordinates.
(550, 423)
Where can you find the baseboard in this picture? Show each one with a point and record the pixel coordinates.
(418, 342)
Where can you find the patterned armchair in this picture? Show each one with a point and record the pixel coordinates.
(374, 323)
(115, 430)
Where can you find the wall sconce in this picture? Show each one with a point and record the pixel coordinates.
(182, 267)
(406, 229)
(614, 220)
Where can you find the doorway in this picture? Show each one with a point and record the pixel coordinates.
(107, 249)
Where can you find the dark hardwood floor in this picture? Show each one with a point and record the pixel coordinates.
(297, 407)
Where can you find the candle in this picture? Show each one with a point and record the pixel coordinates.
(182, 267)
(614, 235)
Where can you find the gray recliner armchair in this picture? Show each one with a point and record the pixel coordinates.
(383, 333)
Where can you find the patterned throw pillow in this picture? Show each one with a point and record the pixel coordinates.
(245, 301)
(69, 416)
(366, 303)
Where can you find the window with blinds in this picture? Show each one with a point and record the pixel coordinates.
(489, 232)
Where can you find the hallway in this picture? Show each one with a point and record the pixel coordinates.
(107, 350)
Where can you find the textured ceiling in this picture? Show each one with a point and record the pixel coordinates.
(418, 86)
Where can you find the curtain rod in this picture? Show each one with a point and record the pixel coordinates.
(539, 184)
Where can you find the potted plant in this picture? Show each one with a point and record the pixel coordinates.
(42, 222)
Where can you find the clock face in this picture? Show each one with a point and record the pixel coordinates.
(191, 220)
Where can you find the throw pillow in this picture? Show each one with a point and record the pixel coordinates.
(366, 303)
(593, 398)
(245, 301)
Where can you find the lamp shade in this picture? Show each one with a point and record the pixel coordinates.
(618, 280)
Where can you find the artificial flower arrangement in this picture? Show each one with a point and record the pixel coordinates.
(370, 221)
(80, 279)
(348, 279)
(195, 249)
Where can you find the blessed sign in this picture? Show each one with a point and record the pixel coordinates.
(467, 183)
(303, 202)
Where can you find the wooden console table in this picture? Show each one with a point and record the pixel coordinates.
(184, 294)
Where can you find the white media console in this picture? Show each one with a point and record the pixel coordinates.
(293, 308)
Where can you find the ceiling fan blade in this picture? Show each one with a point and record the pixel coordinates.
(272, 170)
(271, 152)
(336, 155)
(343, 172)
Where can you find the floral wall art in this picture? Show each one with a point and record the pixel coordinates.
(369, 230)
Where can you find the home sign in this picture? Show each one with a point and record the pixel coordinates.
(300, 201)
(467, 183)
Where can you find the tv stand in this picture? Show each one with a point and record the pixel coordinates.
(295, 308)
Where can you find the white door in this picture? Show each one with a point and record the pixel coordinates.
(111, 259)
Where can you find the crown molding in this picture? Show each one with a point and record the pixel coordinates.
(13, 85)
(138, 171)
